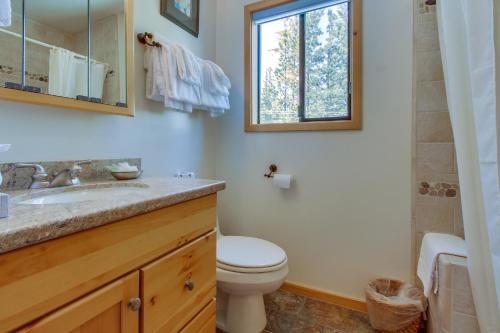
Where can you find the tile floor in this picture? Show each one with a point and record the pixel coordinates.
(291, 313)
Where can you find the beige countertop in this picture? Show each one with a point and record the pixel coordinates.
(32, 224)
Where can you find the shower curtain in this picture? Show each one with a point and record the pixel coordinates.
(68, 75)
(466, 33)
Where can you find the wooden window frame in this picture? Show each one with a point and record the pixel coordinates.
(354, 123)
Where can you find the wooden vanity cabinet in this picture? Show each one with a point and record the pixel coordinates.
(150, 273)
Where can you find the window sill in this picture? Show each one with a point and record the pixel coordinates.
(339, 125)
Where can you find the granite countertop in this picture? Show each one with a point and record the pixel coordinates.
(32, 224)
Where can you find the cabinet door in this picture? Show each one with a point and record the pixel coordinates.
(204, 322)
(106, 310)
(178, 286)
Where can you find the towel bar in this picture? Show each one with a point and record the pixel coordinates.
(146, 38)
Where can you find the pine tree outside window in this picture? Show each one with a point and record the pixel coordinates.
(302, 65)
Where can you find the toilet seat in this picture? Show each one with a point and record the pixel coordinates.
(249, 255)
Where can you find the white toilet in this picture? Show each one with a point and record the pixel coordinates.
(247, 268)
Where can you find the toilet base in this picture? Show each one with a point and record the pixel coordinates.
(240, 300)
(241, 314)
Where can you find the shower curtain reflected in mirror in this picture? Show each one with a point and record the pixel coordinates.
(68, 75)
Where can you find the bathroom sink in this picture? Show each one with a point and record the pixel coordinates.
(81, 195)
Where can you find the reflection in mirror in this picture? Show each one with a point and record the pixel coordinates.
(108, 79)
(57, 47)
(11, 48)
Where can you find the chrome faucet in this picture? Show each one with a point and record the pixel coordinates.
(69, 177)
(39, 179)
(66, 177)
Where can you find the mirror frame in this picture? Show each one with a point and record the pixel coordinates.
(70, 103)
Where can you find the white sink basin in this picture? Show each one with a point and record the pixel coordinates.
(92, 194)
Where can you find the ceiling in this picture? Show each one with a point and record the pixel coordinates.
(70, 15)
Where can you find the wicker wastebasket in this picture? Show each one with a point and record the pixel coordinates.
(394, 306)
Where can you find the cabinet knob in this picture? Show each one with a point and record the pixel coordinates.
(189, 285)
(134, 304)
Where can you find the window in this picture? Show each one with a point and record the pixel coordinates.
(302, 62)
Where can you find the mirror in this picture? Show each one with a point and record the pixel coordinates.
(56, 47)
(108, 75)
(11, 50)
(73, 49)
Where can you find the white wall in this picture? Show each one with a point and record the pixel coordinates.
(167, 141)
(348, 218)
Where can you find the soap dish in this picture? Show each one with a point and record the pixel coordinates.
(127, 175)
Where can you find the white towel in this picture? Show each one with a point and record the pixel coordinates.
(432, 246)
(209, 100)
(5, 13)
(161, 84)
(176, 90)
(188, 67)
(182, 81)
(219, 82)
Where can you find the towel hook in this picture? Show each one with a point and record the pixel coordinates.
(146, 38)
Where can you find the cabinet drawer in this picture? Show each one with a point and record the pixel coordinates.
(204, 322)
(178, 286)
(104, 311)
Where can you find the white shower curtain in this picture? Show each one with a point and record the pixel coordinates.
(68, 75)
(62, 73)
(466, 32)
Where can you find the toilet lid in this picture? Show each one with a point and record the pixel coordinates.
(248, 252)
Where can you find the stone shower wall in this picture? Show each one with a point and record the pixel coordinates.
(436, 189)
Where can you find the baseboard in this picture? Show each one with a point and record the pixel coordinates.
(325, 296)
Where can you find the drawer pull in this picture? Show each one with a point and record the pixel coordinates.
(189, 285)
(134, 304)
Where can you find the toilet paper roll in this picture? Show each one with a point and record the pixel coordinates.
(282, 181)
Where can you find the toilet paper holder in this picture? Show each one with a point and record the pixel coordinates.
(273, 168)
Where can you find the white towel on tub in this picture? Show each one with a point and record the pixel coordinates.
(433, 245)
(5, 13)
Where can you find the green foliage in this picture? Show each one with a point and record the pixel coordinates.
(326, 77)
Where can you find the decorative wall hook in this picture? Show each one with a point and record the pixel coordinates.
(146, 38)
(272, 170)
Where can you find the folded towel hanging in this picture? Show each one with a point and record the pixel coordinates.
(219, 82)
(188, 67)
(181, 80)
(433, 245)
(158, 83)
(5, 13)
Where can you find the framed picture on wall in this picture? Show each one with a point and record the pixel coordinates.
(184, 13)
